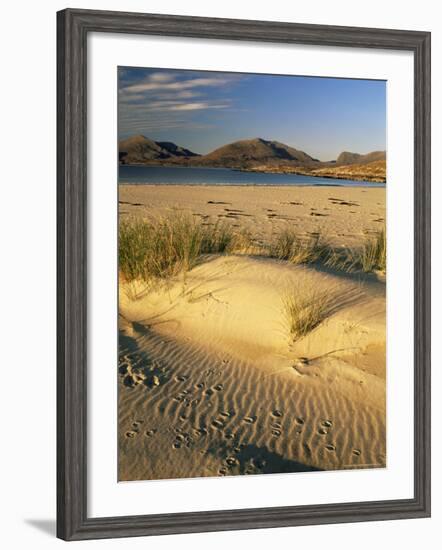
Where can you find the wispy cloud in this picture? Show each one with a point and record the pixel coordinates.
(183, 106)
(128, 98)
(152, 85)
(183, 96)
(161, 77)
(197, 106)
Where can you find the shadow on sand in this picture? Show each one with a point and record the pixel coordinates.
(251, 459)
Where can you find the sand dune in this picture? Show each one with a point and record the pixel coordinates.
(211, 382)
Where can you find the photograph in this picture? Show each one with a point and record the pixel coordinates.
(251, 273)
(221, 243)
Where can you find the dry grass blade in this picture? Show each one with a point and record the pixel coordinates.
(288, 246)
(164, 247)
(372, 256)
(306, 307)
(243, 243)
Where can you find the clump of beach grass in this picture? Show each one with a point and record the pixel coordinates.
(373, 255)
(296, 250)
(243, 243)
(306, 307)
(369, 258)
(162, 248)
(216, 238)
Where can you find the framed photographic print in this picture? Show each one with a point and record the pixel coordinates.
(243, 274)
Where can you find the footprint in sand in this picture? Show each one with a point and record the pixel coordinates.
(218, 387)
(327, 423)
(277, 413)
(128, 381)
(176, 445)
(209, 392)
(181, 378)
(152, 432)
(222, 471)
(276, 433)
(307, 449)
(357, 452)
(200, 385)
(330, 448)
(229, 435)
(217, 424)
(300, 421)
(231, 461)
(122, 369)
(200, 432)
(131, 434)
(250, 419)
(322, 431)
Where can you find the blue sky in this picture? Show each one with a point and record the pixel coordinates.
(203, 110)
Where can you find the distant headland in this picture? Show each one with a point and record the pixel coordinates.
(259, 155)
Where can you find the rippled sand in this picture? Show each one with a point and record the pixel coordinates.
(211, 384)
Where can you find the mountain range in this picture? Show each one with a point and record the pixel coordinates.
(253, 154)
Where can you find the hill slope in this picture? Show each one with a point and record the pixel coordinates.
(251, 152)
(140, 149)
(368, 171)
(356, 158)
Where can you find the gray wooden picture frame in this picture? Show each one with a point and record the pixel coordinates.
(73, 27)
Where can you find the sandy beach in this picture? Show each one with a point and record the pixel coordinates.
(344, 214)
(211, 380)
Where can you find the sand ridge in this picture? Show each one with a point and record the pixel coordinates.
(225, 389)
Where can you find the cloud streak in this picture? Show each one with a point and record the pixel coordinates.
(181, 96)
(154, 85)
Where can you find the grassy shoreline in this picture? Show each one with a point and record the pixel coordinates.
(164, 247)
(327, 173)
